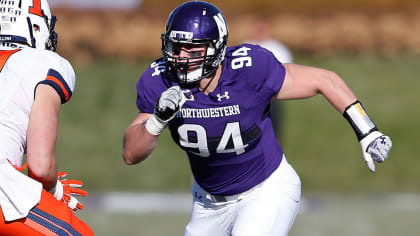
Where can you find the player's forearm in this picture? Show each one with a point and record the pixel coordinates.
(41, 160)
(41, 136)
(138, 143)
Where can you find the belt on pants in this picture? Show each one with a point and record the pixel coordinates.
(201, 193)
(221, 198)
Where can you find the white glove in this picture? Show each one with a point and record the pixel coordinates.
(375, 146)
(65, 190)
(168, 104)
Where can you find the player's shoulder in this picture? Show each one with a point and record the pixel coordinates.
(249, 56)
(256, 67)
(151, 84)
(55, 59)
(43, 64)
(247, 49)
(43, 59)
(155, 76)
(154, 71)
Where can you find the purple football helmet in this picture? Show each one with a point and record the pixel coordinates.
(194, 24)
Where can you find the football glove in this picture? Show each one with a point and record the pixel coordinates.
(65, 190)
(375, 146)
(168, 104)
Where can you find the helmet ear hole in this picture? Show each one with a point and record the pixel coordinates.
(36, 28)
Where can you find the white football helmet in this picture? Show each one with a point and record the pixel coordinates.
(28, 22)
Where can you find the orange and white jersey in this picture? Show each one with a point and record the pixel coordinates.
(22, 69)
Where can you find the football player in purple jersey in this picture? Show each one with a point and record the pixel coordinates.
(215, 101)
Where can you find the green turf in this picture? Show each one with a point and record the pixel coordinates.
(320, 215)
(129, 224)
(317, 140)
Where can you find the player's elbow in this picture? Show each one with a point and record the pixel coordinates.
(43, 171)
(40, 174)
(128, 158)
(137, 149)
(131, 158)
(329, 81)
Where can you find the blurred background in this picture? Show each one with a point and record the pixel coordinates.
(373, 44)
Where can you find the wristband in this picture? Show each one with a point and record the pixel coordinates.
(58, 190)
(359, 120)
(155, 126)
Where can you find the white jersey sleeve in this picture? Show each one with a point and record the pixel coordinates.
(21, 71)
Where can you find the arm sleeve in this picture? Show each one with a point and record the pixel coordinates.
(275, 73)
(268, 73)
(62, 78)
(149, 88)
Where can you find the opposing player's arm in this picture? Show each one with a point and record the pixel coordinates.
(305, 81)
(42, 136)
(138, 143)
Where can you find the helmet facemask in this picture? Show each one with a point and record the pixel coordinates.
(189, 69)
(52, 40)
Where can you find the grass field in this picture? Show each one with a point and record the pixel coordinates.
(317, 140)
(319, 215)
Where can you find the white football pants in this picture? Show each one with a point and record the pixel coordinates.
(267, 209)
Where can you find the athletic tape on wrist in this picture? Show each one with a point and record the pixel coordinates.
(155, 126)
(359, 120)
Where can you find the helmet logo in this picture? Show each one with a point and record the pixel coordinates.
(36, 8)
(221, 25)
(181, 35)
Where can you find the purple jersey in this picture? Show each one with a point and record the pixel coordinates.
(228, 134)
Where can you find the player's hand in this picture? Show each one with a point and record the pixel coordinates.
(375, 146)
(168, 104)
(65, 190)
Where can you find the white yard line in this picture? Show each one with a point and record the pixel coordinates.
(132, 202)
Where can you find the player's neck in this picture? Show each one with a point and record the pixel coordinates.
(208, 85)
